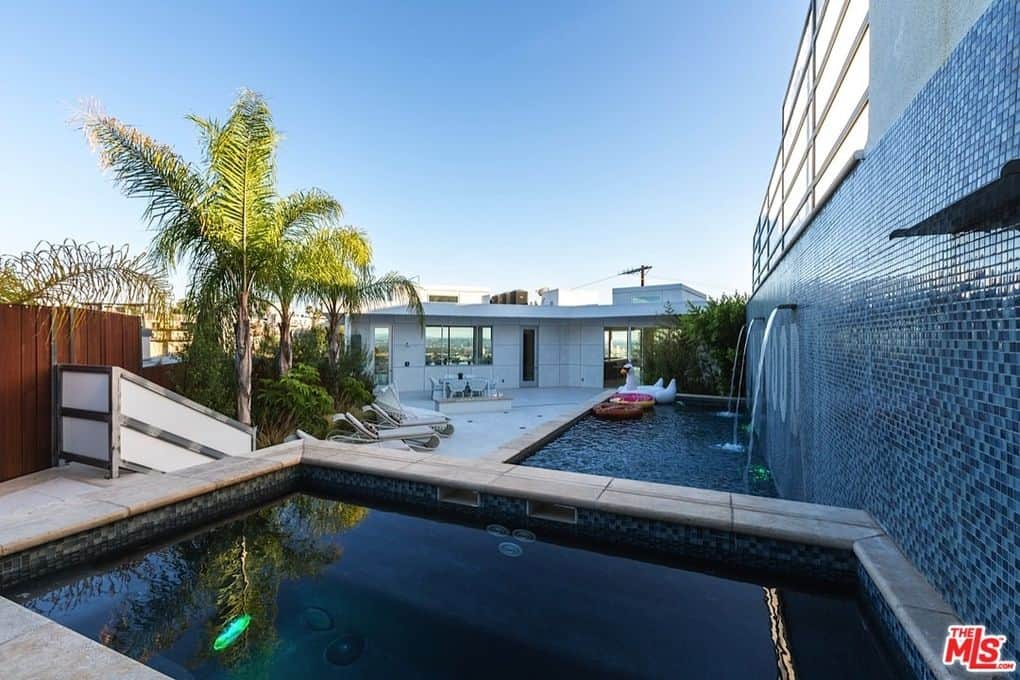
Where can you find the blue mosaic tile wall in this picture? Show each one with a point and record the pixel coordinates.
(895, 385)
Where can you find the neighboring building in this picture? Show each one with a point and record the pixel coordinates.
(458, 295)
(568, 296)
(676, 295)
(513, 345)
(894, 385)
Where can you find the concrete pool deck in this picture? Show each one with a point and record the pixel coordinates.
(62, 504)
(480, 435)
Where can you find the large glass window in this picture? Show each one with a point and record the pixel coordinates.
(458, 345)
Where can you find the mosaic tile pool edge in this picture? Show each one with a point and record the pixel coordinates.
(144, 527)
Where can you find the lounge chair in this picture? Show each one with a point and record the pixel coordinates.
(386, 420)
(418, 437)
(392, 413)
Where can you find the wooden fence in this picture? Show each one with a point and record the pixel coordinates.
(28, 350)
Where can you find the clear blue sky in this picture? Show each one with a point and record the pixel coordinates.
(496, 144)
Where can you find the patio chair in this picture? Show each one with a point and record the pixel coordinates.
(478, 387)
(457, 388)
(418, 437)
(438, 388)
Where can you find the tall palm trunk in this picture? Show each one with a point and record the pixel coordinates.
(286, 358)
(243, 360)
(333, 324)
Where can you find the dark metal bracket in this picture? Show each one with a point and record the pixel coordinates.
(994, 206)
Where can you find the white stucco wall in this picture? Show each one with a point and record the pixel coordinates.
(677, 296)
(910, 40)
(569, 352)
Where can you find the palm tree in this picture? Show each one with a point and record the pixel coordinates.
(342, 300)
(73, 274)
(307, 253)
(222, 219)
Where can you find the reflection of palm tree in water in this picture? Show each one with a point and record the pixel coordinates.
(232, 570)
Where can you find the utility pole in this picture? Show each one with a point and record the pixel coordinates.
(638, 270)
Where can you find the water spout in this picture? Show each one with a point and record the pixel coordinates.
(755, 397)
(740, 383)
(733, 373)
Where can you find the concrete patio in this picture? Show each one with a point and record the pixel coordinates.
(478, 435)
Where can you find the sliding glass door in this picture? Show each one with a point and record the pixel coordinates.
(381, 355)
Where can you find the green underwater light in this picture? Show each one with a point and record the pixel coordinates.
(231, 632)
(760, 473)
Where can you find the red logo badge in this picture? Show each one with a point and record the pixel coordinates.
(975, 650)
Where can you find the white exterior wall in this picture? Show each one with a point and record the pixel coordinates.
(677, 296)
(567, 297)
(569, 353)
(910, 39)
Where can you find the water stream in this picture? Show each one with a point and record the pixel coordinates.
(733, 375)
(759, 374)
(740, 384)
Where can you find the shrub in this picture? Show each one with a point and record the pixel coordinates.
(351, 395)
(309, 345)
(206, 371)
(696, 348)
(296, 401)
(349, 383)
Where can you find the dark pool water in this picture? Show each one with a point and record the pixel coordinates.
(671, 444)
(336, 590)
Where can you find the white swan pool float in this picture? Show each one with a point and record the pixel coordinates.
(663, 395)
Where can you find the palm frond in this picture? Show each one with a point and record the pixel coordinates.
(298, 214)
(369, 291)
(242, 174)
(74, 274)
(143, 168)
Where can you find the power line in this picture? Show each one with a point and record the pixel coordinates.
(592, 283)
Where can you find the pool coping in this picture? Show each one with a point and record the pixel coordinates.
(918, 612)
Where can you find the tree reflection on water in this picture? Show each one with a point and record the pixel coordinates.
(202, 583)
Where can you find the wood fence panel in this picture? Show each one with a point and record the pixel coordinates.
(44, 389)
(29, 389)
(10, 392)
(27, 351)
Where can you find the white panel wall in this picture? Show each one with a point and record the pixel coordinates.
(506, 355)
(90, 438)
(156, 453)
(166, 414)
(591, 354)
(549, 342)
(408, 347)
(569, 353)
(86, 390)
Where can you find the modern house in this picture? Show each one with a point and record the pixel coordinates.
(516, 345)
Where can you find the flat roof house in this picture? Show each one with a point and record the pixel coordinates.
(516, 345)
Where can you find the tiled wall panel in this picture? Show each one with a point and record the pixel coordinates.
(902, 360)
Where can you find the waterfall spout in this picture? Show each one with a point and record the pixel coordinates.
(759, 375)
(733, 373)
(740, 383)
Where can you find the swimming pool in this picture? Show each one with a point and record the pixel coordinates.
(310, 587)
(672, 444)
